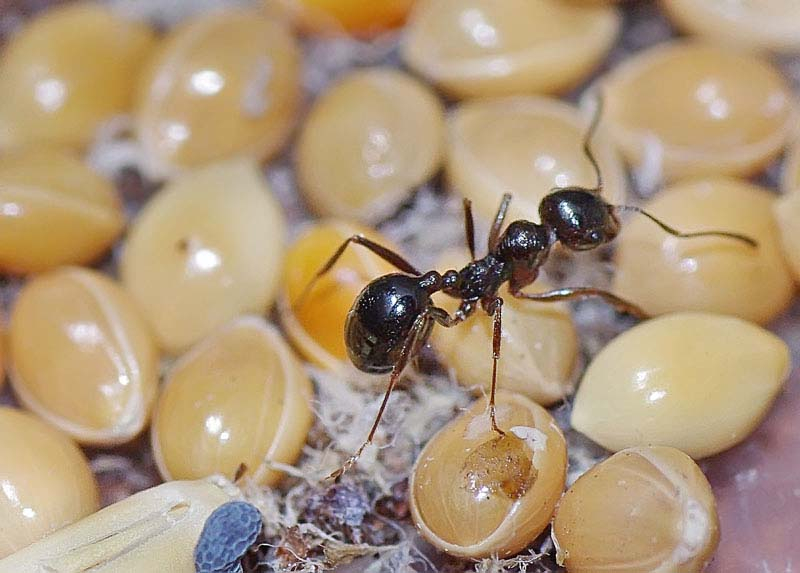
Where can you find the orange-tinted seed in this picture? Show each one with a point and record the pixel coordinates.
(358, 17)
(316, 327)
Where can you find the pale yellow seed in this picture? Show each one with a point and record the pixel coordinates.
(757, 24)
(663, 273)
(46, 481)
(315, 325)
(154, 530)
(647, 509)
(83, 356)
(206, 249)
(787, 213)
(48, 188)
(790, 179)
(68, 71)
(687, 108)
(238, 397)
(484, 48)
(368, 142)
(474, 493)
(695, 381)
(222, 84)
(539, 345)
(525, 146)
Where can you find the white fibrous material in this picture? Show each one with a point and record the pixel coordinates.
(301, 537)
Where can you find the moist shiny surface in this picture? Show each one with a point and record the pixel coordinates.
(381, 319)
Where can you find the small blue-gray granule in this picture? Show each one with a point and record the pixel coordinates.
(227, 535)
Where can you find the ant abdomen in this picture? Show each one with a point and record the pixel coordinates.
(381, 320)
(580, 218)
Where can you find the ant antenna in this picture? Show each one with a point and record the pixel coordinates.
(736, 236)
(587, 142)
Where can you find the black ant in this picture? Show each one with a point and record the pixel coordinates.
(393, 315)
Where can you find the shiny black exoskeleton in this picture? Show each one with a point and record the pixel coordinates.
(393, 316)
(382, 320)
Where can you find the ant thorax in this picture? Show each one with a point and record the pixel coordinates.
(478, 279)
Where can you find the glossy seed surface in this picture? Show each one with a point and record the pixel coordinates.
(83, 356)
(207, 248)
(689, 108)
(479, 48)
(758, 24)
(663, 273)
(368, 142)
(67, 72)
(222, 84)
(474, 493)
(46, 481)
(645, 509)
(238, 397)
(787, 213)
(227, 535)
(539, 345)
(152, 530)
(49, 188)
(315, 326)
(333, 17)
(524, 146)
(698, 382)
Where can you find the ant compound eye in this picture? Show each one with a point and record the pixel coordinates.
(228, 534)
(581, 219)
(492, 143)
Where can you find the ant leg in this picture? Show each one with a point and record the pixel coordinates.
(411, 344)
(464, 311)
(469, 227)
(499, 218)
(386, 254)
(495, 308)
(570, 293)
(736, 236)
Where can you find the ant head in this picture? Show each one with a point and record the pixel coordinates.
(580, 218)
(524, 243)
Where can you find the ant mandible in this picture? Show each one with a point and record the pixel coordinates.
(392, 317)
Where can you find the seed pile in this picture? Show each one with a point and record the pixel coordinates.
(172, 176)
